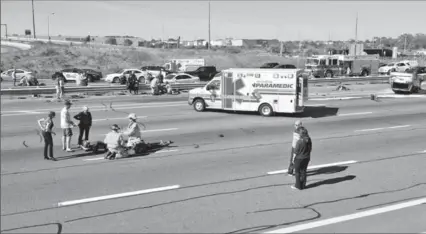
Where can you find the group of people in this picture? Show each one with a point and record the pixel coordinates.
(114, 140)
(155, 83)
(46, 125)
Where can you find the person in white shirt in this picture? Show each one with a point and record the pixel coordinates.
(67, 124)
(133, 131)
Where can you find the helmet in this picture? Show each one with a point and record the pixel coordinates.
(115, 127)
(132, 116)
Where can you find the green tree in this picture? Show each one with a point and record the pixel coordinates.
(128, 42)
(111, 41)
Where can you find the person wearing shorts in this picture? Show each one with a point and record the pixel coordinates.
(66, 124)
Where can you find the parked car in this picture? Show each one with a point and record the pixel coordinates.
(115, 77)
(409, 81)
(7, 75)
(269, 65)
(285, 66)
(71, 74)
(180, 78)
(205, 73)
(394, 67)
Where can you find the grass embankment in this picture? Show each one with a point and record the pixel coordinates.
(45, 59)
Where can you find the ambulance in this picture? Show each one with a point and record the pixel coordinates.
(266, 91)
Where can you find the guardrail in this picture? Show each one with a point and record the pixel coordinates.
(143, 87)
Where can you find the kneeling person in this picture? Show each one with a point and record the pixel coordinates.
(115, 143)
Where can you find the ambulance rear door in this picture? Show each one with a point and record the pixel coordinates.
(228, 90)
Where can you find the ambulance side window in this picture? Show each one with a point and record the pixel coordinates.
(215, 85)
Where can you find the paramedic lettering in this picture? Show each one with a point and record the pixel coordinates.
(280, 86)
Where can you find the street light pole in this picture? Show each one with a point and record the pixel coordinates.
(48, 25)
(32, 2)
(5, 25)
(209, 28)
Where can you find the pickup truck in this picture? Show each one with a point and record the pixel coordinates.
(205, 73)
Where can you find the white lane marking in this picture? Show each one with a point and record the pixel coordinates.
(344, 218)
(314, 105)
(375, 129)
(165, 151)
(153, 130)
(403, 96)
(314, 167)
(93, 159)
(360, 113)
(103, 109)
(119, 195)
(334, 98)
(95, 120)
(422, 152)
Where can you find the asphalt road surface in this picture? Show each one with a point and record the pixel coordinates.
(224, 171)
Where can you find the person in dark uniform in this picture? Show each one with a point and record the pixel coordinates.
(85, 118)
(46, 126)
(297, 125)
(302, 156)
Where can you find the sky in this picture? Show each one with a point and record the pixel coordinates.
(283, 20)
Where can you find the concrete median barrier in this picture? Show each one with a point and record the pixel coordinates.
(180, 87)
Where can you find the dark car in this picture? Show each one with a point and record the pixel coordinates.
(92, 75)
(269, 65)
(285, 66)
(205, 73)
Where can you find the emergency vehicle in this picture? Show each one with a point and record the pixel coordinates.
(266, 91)
(183, 65)
(337, 65)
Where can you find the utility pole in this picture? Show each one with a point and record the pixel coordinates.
(209, 28)
(34, 32)
(405, 42)
(356, 33)
(5, 25)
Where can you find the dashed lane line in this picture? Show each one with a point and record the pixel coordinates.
(119, 195)
(353, 216)
(376, 129)
(360, 113)
(315, 167)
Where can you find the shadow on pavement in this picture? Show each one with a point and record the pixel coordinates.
(310, 111)
(327, 170)
(331, 181)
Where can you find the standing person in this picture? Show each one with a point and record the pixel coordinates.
(14, 76)
(154, 85)
(66, 124)
(297, 125)
(60, 85)
(302, 156)
(46, 126)
(85, 118)
(131, 82)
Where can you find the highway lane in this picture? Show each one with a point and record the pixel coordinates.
(220, 159)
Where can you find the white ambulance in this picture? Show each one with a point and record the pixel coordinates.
(267, 91)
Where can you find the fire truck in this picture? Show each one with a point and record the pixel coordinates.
(338, 65)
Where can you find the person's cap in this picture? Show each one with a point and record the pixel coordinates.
(85, 108)
(51, 113)
(67, 103)
(132, 116)
(298, 123)
(115, 127)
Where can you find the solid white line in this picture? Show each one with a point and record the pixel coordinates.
(360, 113)
(375, 129)
(93, 159)
(153, 130)
(314, 105)
(101, 198)
(95, 120)
(335, 98)
(165, 151)
(344, 218)
(314, 167)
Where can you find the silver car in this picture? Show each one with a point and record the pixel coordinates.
(7, 75)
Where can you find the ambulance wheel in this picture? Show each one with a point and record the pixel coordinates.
(265, 110)
(329, 74)
(199, 105)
